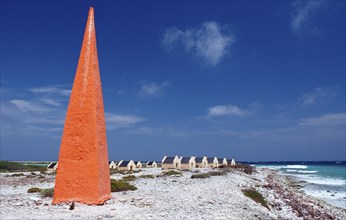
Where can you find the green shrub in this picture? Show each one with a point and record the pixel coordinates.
(200, 176)
(129, 178)
(47, 192)
(149, 176)
(216, 173)
(255, 196)
(8, 166)
(121, 185)
(117, 171)
(34, 190)
(171, 173)
(133, 171)
(17, 175)
(244, 168)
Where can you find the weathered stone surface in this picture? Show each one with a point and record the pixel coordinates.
(83, 172)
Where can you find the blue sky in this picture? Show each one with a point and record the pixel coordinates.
(250, 80)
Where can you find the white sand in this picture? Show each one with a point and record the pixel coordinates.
(218, 197)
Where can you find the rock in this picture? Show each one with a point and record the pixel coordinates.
(332, 195)
(72, 206)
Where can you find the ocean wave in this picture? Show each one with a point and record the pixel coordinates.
(291, 171)
(307, 171)
(296, 167)
(322, 180)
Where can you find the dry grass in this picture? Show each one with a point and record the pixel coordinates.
(121, 185)
(255, 196)
(129, 178)
(34, 190)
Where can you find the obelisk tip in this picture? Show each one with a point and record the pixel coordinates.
(91, 11)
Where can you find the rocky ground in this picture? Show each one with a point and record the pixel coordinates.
(172, 197)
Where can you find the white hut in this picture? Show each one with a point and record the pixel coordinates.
(144, 164)
(233, 163)
(187, 163)
(126, 165)
(151, 164)
(212, 162)
(138, 164)
(222, 161)
(201, 162)
(112, 164)
(171, 163)
(52, 166)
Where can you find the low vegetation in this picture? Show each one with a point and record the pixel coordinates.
(34, 190)
(121, 185)
(216, 173)
(244, 168)
(133, 171)
(200, 176)
(171, 173)
(255, 196)
(47, 192)
(123, 172)
(148, 176)
(129, 178)
(16, 175)
(8, 166)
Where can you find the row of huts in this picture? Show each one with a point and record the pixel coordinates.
(180, 163)
(132, 165)
(186, 163)
(118, 165)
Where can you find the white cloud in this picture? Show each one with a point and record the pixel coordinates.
(25, 106)
(51, 90)
(325, 120)
(223, 110)
(319, 95)
(115, 121)
(152, 89)
(209, 41)
(302, 13)
(50, 102)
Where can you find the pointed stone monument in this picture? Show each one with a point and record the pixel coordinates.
(83, 172)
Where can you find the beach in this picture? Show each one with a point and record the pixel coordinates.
(173, 197)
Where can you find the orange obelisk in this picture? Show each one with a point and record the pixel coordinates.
(83, 172)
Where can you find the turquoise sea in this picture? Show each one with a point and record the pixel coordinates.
(324, 180)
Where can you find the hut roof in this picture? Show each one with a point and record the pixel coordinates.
(220, 160)
(168, 160)
(150, 162)
(210, 159)
(124, 163)
(185, 160)
(199, 159)
(52, 165)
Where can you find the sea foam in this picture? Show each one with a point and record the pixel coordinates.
(322, 180)
(307, 171)
(296, 167)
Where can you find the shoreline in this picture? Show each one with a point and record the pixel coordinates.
(174, 197)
